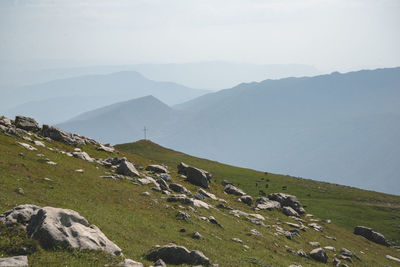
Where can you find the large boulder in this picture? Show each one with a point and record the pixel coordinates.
(371, 235)
(54, 227)
(174, 254)
(15, 261)
(233, 190)
(127, 168)
(21, 214)
(27, 124)
(5, 121)
(319, 254)
(157, 169)
(194, 175)
(59, 135)
(82, 155)
(287, 201)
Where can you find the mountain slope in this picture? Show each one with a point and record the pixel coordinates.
(72, 96)
(136, 222)
(341, 128)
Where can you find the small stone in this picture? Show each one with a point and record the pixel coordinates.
(20, 191)
(314, 244)
(197, 235)
(145, 193)
(79, 170)
(235, 239)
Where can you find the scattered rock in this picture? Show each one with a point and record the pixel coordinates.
(148, 180)
(211, 219)
(79, 170)
(263, 203)
(371, 235)
(106, 148)
(233, 190)
(82, 155)
(255, 232)
(288, 211)
(200, 204)
(160, 263)
(173, 254)
(387, 257)
(145, 193)
(226, 182)
(126, 168)
(287, 201)
(130, 263)
(194, 175)
(319, 254)
(183, 199)
(301, 253)
(20, 191)
(157, 169)
(183, 216)
(166, 177)
(59, 135)
(26, 123)
(316, 227)
(237, 240)
(207, 194)
(27, 146)
(197, 235)
(247, 200)
(178, 188)
(315, 244)
(51, 162)
(330, 248)
(14, 261)
(39, 143)
(336, 262)
(47, 179)
(54, 227)
(223, 206)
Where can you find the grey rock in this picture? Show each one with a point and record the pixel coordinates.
(166, 177)
(371, 235)
(26, 123)
(16, 261)
(264, 203)
(315, 244)
(199, 196)
(207, 194)
(247, 200)
(237, 240)
(183, 216)
(233, 190)
(287, 201)
(387, 257)
(226, 182)
(194, 175)
(106, 148)
(82, 155)
(160, 263)
(127, 168)
(197, 235)
(173, 254)
(162, 183)
(178, 188)
(212, 220)
(21, 214)
(183, 199)
(58, 135)
(20, 191)
(223, 206)
(54, 227)
(319, 254)
(288, 211)
(301, 253)
(336, 262)
(5, 121)
(157, 169)
(27, 146)
(130, 263)
(255, 232)
(39, 143)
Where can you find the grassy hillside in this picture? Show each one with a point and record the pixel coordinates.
(136, 222)
(345, 206)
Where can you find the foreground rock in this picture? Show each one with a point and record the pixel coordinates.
(319, 254)
(14, 261)
(55, 227)
(371, 235)
(27, 124)
(287, 201)
(127, 168)
(263, 203)
(82, 155)
(194, 175)
(173, 254)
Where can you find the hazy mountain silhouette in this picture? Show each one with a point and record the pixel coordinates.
(341, 128)
(59, 100)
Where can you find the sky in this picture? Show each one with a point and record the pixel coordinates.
(331, 35)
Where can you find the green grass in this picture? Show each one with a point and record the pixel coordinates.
(136, 222)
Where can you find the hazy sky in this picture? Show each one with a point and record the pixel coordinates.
(342, 34)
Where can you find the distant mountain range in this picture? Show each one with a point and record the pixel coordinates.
(59, 100)
(341, 128)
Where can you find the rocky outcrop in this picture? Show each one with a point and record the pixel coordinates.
(16, 261)
(233, 190)
(59, 135)
(127, 168)
(27, 124)
(157, 169)
(287, 201)
(288, 211)
(319, 254)
(174, 254)
(371, 235)
(54, 227)
(246, 199)
(194, 175)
